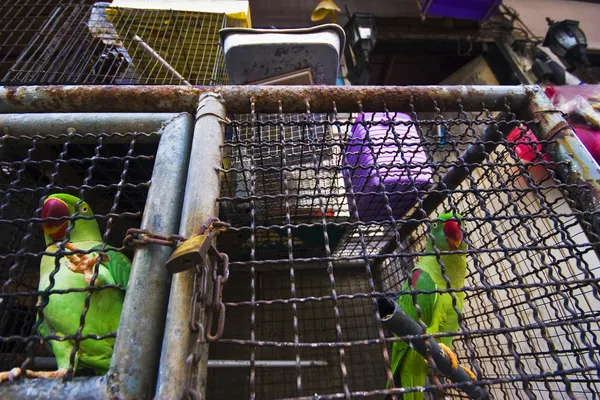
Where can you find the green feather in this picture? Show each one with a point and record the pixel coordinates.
(118, 266)
(61, 316)
(437, 311)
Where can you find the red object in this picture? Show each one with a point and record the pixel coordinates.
(528, 147)
(590, 138)
(415, 277)
(453, 233)
(571, 99)
(55, 208)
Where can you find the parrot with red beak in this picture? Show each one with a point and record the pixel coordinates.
(437, 310)
(61, 316)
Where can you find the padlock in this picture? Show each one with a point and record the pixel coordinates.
(189, 254)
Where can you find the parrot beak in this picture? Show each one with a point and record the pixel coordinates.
(453, 234)
(55, 208)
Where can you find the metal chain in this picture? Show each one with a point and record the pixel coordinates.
(199, 313)
(202, 333)
(141, 237)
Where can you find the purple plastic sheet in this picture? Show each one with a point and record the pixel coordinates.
(390, 157)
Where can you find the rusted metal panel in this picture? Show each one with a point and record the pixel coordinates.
(267, 98)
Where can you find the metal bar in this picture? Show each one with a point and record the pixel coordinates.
(49, 389)
(150, 51)
(137, 347)
(293, 99)
(50, 363)
(264, 364)
(401, 324)
(581, 169)
(201, 190)
(474, 154)
(60, 124)
(301, 266)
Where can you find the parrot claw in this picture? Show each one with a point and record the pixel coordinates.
(59, 373)
(450, 354)
(11, 375)
(82, 264)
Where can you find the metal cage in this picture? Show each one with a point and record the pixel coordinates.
(67, 42)
(302, 295)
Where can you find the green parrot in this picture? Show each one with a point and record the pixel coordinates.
(437, 311)
(63, 311)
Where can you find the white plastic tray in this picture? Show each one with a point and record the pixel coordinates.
(253, 55)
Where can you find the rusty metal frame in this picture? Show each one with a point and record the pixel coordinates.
(135, 367)
(27, 99)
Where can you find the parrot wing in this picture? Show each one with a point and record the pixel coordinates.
(420, 280)
(119, 266)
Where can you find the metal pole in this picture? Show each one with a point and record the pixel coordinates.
(301, 265)
(26, 99)
(581, 172)
(264, 364)
(153, 54)
(401, 324)
(50, 363)
(56, 124)
(201, 190)
(513, 60)
(137, 347)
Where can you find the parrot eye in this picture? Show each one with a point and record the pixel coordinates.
(84, 209)
(435, 225)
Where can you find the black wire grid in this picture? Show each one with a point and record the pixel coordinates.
(307, 263)
(68, 42)
(111, 172)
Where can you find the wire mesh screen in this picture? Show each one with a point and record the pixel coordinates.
(110, 173)
(62, 42)
(301, 310)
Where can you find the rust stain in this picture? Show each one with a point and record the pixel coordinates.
(293, 98)
(102, 98)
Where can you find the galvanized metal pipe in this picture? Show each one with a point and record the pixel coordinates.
(44, 124)
(135, 358)
(168, 98)
(201, 190)
(581, 170)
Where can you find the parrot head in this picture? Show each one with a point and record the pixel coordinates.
(447, 233)
(63, 206)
